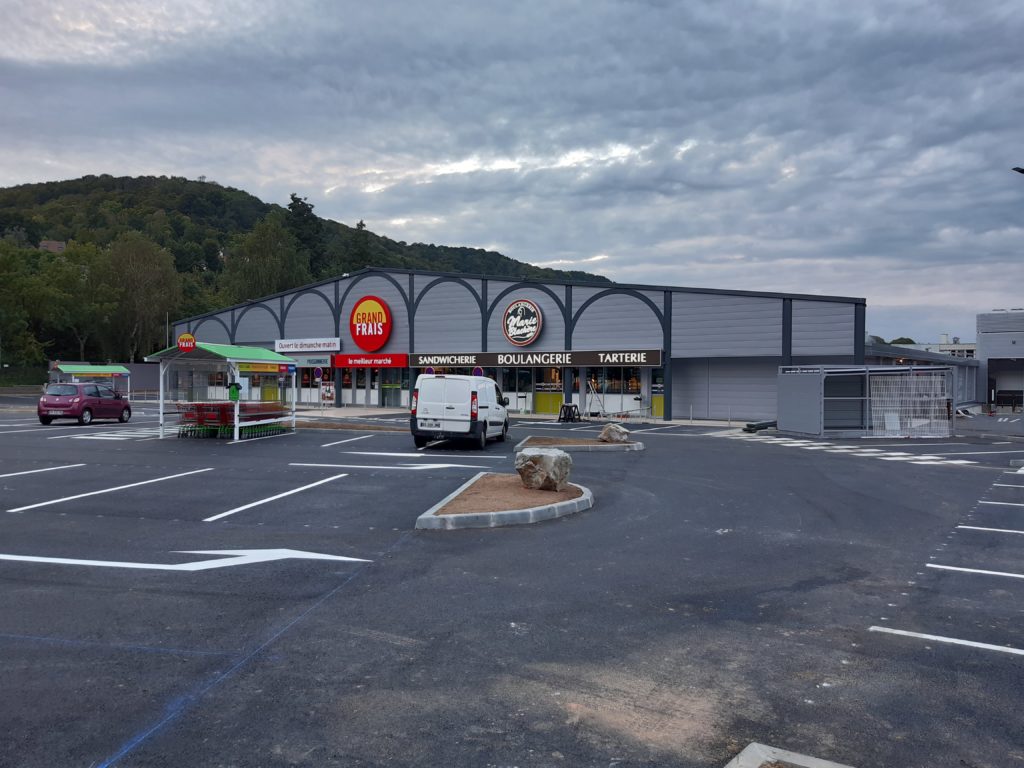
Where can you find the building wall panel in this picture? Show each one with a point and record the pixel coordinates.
(618, 321)
(258, 325)
(310, 316)
(382, 288)
(713, 325)
(448, 320)
(552, 335)
(823, 328)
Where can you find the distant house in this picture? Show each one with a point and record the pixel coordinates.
(53, 246)
(943, 346)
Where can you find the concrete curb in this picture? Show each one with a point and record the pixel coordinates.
(431, 521)
(568, 448)
(756, 755)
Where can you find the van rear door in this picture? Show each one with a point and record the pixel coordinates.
(455, 414)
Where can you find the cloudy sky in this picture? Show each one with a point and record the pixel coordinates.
(813, 146)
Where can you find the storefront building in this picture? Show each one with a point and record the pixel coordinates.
(610, 348)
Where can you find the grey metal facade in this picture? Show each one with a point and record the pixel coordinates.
(1001, 356)
(722, 348)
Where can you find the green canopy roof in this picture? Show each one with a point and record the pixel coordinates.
(228, 353)
(95, 370)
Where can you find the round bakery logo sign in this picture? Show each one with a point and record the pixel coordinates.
(370, 323)
(522, 322)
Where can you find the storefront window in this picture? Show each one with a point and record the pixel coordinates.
(631, 381)
(547, 380)
(657, 381)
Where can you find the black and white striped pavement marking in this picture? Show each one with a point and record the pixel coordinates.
(923, 459)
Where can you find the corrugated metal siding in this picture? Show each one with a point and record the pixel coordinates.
(1000, 322)
(823, 328)
(448, 320)
(1000, 345)
(552, 334)
(310, 316)
(208, 330)
(382, 289)
(617, 321)
(257, 325)
(711, 325)
(690, 388)
(717, 389)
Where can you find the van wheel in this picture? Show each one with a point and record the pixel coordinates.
(86, 417)
(421, 442)
(504, 433)
(482, 439)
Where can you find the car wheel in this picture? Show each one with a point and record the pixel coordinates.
(45, 420)
(421, 442)
(482, 439)
(125, 415)
(86, 417)
(504, 433)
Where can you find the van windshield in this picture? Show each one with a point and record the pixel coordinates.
(61, 390)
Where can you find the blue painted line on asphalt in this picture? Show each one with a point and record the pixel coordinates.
(180, 705)
(113, 646)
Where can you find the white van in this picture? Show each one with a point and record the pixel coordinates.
(459, 407)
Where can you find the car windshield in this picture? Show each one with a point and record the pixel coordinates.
(61, 390)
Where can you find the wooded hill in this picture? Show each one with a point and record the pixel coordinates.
(142, 249)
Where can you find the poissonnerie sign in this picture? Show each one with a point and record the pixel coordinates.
(635, 357)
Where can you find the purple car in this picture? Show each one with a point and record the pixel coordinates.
(84, 402)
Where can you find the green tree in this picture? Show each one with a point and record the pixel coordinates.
(85, 292)
(903, 340)
(150, 291)
(265, 261)
(23, 302)
(307, 228)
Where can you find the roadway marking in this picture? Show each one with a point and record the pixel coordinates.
(108, 490)
(254, 439)
(48, 469)
(349, 440)
(977, 453)
(394, 466)
(993, 530)
(975, 570)
(950, 640)
(271, 498)
(1002, 503)
(1007, 485)
(236, 557)
(418, 455)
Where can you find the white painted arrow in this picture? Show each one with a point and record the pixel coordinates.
(235, 557)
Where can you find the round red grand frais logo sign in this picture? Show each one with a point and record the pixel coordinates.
(370, 323)
(522, 322)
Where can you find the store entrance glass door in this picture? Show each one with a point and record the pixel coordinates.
(517, 386)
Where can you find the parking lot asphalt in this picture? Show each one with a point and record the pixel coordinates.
(855, 600)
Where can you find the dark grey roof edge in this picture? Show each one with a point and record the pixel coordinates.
(874, 349)
(539, 281)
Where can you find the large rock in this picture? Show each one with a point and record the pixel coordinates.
(544, 469)
(614, 433)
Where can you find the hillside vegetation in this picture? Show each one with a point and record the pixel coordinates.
(141, 250)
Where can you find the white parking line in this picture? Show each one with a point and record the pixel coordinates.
(1002, 503)
(108, 490)
(349, 440)
(978, 453)
(950, 640)
(993, 530)
(423, 455)
(975, 570)
(272, 498)
(1007, 485)
(48, 469)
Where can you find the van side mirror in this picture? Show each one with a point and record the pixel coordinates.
(504, 401)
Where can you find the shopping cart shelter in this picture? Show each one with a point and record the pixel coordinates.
(866, 401)
(224, 390)
(611, 349)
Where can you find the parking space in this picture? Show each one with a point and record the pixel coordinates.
(268, 602)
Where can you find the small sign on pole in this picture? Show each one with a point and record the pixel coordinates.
(318, 373)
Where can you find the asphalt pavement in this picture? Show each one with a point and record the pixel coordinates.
(854, 600)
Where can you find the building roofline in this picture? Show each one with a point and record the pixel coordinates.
(540, 281)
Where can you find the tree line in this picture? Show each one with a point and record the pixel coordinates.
(140, 251)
